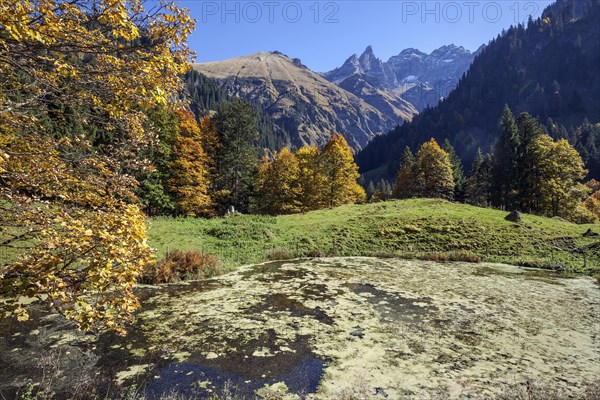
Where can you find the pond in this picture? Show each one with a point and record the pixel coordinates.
(329, 328)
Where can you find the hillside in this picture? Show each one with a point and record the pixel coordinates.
(548, 69)
(407, 228)
(302, 103)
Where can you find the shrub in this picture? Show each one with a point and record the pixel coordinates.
(582, 215)
(314, 252)
(280, 253)
(180, 265)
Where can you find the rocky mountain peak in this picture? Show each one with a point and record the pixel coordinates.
(440, 69)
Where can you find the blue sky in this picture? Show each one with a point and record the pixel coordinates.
(324, 33)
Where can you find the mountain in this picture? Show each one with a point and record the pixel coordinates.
(549, 69)
(205, 98)
(417, 77)
(367, 89)
(304, 105)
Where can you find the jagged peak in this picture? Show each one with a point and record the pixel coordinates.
(369, 50)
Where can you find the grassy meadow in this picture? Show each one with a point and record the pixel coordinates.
(416, 228)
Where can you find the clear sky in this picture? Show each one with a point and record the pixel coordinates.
(323, 34)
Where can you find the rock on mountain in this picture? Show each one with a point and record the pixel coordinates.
(417, 77)
(369, 90)
(306, 106)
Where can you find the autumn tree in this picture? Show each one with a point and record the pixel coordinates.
(189, 180)
(434, 172)
(592, 201)
(341, 173)
(406, 181)
(278, 187)
(554, 187)
(478, 183)
(312, 181)
(67, 209)
(236, 158)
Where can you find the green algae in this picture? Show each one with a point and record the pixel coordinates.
(403, 327)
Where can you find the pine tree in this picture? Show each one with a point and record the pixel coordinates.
(153, 189)
(505, 162)
(529, 129)
(189, 175)
(457, 169)
(209, 139)
(478, 183)
(434, 172)
(381, 192)
(341, 173)
(406, 180)
(371, 189)
(236, 157)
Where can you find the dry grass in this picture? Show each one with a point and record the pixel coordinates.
(461, 256)
(180, 265)
(280, 253)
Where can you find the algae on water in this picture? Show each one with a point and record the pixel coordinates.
(314, 328)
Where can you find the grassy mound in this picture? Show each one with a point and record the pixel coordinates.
(421, 228)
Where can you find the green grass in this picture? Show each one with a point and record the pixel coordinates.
(405, 228)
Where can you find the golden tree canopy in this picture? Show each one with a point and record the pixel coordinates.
(66, 214)
(434, 172)
(338, 166)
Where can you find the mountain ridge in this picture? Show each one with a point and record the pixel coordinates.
(434, 74)
(301, 101)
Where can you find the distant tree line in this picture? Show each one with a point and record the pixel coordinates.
(203, 168)
(527, 170)
(546, 67)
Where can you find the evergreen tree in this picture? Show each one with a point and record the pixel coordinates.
(236, 158)
(153, 189)
(478, 183)
(434, 172)
(529, 129)
(505, 162)
(381, 192)
(457, 169)
(371, 189)
(341, 173)
(406, 180)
